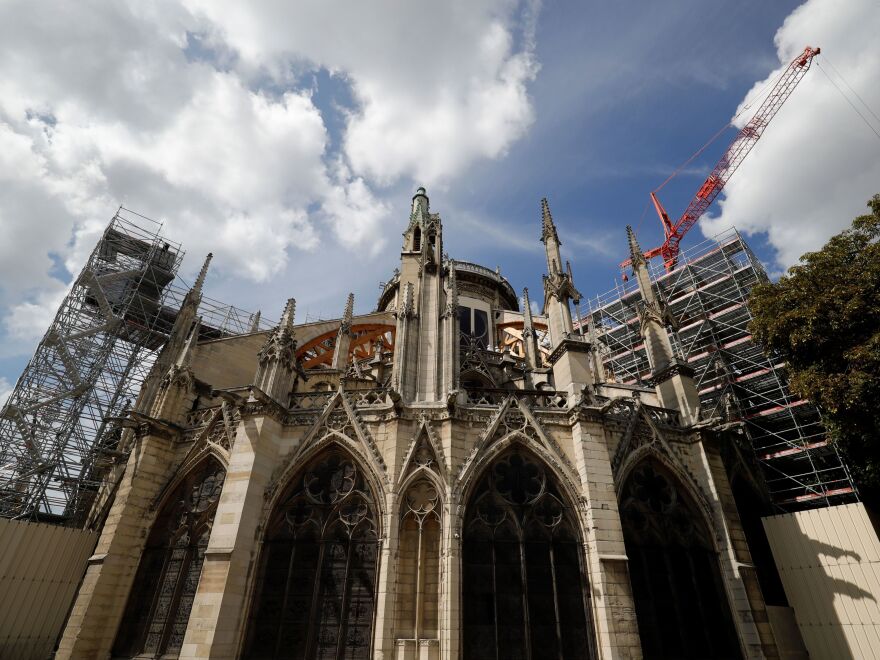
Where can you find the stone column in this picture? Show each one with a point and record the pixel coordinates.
(613, 607)
(747, 602)
(100, 602)
(219, 613)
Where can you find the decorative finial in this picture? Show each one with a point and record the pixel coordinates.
(452, 299)
(203, 273)
(349, 311)
(288, 315)
(255, 322)
(527, 312)
(635, 252)
(547, 226)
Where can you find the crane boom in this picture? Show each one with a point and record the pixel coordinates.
(742, 144)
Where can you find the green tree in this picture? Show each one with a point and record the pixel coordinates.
(823, 317)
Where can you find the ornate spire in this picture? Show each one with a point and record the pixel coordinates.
(407, 307)
(635, 252)
(203, 273)
(286, 322)
(547, 226)
(420, 205)
(452, 284)
(277, 357)
(528, 322)
(348, 314)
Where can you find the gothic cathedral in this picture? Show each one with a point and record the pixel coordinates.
(451, 476)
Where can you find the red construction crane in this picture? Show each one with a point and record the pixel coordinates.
(737, 151)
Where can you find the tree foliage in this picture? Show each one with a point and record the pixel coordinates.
(823, 317)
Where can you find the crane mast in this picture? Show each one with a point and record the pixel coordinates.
(742, 144)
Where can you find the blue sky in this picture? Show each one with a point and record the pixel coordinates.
(288, 138)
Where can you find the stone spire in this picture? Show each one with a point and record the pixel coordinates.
(180, 331)
(452, 289)
(287, 316)
(343, 337)
(255, 322)
(672, 377)
(348, 312)
(177, 388)
(558, 287)
(548, 229)
(420, 204)
(640, 269)
(277, 358)
(530, 337)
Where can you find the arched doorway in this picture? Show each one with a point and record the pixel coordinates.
(524, 587)
(161, 597)
(315, 588)
(681, 605)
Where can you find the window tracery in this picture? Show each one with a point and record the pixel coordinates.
(524, 587)
(315, 590)
(159, 605)
(419, 561)
(681, 605)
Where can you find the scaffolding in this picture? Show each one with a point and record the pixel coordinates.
(59, 428)
(707, 295)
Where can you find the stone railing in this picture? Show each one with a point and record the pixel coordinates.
(535, 398)
(375, 396)
(623, 410)
(487, 273)
(201, 417)
(365, 398)
(311, 400)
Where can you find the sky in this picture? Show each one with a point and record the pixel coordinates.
(288, 137)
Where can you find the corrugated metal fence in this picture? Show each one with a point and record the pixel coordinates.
(829, 562)
(40, 569)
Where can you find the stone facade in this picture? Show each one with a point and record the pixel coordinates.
(445, 477)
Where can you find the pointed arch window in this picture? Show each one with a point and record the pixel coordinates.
(164, 588)
(315, 588)
(418, 591)
(525, 591)
(681, 604)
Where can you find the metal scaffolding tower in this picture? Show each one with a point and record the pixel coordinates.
(707, 294)
(57, 434)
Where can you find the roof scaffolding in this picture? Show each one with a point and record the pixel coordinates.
(707, 294)
(58, 437)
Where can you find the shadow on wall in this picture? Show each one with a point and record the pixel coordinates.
(829, 563)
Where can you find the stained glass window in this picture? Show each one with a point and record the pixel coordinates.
(681, 605)
(315, 588)
(523, 583)
(164, 588)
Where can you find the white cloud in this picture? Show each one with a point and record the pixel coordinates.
(439, 84)
(205, 116)
(817, 164)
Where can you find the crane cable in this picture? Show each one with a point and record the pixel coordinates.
(847, 99)
(757, 97)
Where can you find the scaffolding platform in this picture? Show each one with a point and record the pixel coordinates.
(57, 434)
(707, 294)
